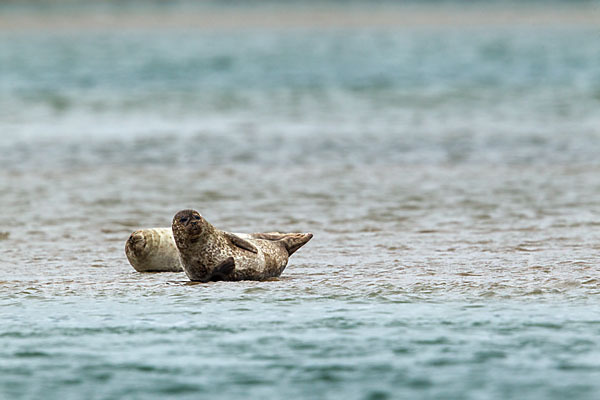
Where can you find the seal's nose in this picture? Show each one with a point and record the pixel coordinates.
(136, 242)
(187, 220)
(186, 217)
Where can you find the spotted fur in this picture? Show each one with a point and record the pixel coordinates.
(204, 250)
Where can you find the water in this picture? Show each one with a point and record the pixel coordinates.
(449, 172)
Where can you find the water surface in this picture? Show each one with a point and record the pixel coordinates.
(449, 174)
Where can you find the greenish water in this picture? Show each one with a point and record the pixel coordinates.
(222, 342)
(449, 173)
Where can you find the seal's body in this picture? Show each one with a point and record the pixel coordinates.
(153, 250)
(209, 254)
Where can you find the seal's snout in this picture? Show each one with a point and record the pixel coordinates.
(187, 218)
(136, 242)
(188, 226)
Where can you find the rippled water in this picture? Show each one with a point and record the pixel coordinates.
(450, 176)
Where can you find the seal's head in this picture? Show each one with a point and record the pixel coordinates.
(191, 232)
(188, 227)
(137, 249)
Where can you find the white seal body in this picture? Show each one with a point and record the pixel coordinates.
(153, 250)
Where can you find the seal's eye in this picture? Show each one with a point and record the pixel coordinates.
(183, 220)
(196, 217)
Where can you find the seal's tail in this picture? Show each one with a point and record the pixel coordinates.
(293, 241)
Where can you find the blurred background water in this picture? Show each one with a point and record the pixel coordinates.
(444, 154)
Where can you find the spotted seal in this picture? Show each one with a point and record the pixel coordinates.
(153, 250)
(209, 254)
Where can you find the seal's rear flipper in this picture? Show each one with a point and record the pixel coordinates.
(293, 241)
(224, 268)
(269, 235)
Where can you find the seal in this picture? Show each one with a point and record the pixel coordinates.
(209, 254)
(153, 250)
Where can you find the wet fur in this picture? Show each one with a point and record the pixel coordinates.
(204, 250)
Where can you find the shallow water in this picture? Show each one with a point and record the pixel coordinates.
(449, 175)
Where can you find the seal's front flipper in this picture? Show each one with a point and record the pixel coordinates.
(293, 241)
(223, 269)
(241, 243)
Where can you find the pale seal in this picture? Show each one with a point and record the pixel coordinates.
(153, 250)
(209, 254)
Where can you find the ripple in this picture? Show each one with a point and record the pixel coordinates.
(443, 253)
